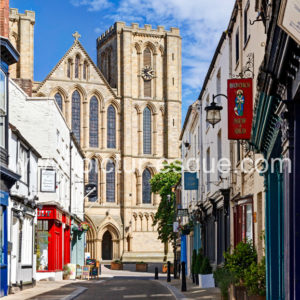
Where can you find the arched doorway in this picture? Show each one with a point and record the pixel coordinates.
(107, 246)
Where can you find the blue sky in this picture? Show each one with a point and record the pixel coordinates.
(201, 23)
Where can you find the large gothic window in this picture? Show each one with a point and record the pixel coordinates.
(77, 60)
(69, 68)
(94, 113)
(58, 99)
(76, 115)
(110, 182)
(146, 186)
(111, 127)
(147, 128)
(93, 176)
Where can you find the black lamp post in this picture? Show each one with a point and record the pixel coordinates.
(213, 111)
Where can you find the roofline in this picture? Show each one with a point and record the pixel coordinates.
(185, 121)
(212, 64)
(16, 131)
(76, 143)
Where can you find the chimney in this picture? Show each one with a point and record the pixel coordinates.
(4, 18)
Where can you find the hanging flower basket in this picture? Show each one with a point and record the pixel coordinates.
(185, 229)
(83, 226)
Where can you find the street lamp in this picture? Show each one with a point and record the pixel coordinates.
(213, 111)
(173, 189)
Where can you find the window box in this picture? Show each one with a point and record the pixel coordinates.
(206, 281)
(141, 267)
(116, 265)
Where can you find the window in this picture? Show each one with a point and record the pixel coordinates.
(94, 128)
(42, 240)
(109, 66)
(93, 176)
(2, 236)
(246, 34)
(218, 83)
(110, 182)
(69, 68)
(147, 128)
(237, 46)
(85, 66)
(58, 100)
(147, 62)
(208, 169)
(219, 150)
(23, 163)
(207, 104)
(27, 241)
(243, 222)
(76, 115)
(238, 151)
(146, 186)
(111, 127)
(2, 107)
(77, 60)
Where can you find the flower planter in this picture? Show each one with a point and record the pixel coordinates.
(141, 267)
(165, 269)
(116, 266)
(206, 281)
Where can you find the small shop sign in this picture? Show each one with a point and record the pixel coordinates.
(190, 181)
(182, 212)
(48, 180)
(240, 108)
(289, 18)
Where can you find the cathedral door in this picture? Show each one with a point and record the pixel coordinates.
(107, 246)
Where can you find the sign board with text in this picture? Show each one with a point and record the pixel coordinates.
(289, 18)
(240, 108)
(190, 181)
(48, 180)
(182, 212)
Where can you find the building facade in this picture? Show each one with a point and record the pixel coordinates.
(22, 218)
(60, 178)
(9, 56)
(127, 119)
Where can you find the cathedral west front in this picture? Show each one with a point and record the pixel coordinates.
(125, 111)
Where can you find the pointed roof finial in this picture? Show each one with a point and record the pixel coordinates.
(76, 35)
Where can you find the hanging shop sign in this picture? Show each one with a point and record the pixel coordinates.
(190, 181)
(48, 180)
(175, 226)
(240, 108)
(288, 19)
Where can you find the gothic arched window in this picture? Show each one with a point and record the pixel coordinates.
(110, 182)
(69, 68)
(93, 176)
(147, 128)
(76, 115)
(111, 127)
(147, 62)
(77, 60)
(85, 67)
(94, 113)
(146, 186)
(58, 99)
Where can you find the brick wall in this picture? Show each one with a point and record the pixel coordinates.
(25, 85)
(4, 18)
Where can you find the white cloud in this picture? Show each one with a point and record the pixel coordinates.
(93, 5)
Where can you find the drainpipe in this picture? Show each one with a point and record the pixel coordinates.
(70, 173)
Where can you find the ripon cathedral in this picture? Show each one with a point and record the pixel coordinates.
(125, 111)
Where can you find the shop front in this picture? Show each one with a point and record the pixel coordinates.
(77, 243)
(53, 242)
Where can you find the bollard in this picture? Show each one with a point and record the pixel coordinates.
(183, 283)
(179, 270)
(169, 272)
(175, 269)
(156, 273)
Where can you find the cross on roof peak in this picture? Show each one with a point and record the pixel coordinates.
(76, 35)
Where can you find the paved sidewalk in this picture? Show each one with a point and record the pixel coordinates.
(65, 287)
(193, 291)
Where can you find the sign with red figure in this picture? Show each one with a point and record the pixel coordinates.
(240, 108)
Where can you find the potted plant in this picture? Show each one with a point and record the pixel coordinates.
(255, 280)
(223, 278)
(116, 265)
(198, 264)
(141, 267)
(66, 272)
(206, 278)
(165, 268)
(194, 258)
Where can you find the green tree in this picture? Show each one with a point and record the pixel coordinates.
(162, 183)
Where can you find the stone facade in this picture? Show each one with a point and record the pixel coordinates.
(125, 223)
(21, 35)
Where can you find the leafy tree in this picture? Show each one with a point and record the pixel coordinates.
(162, 183)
